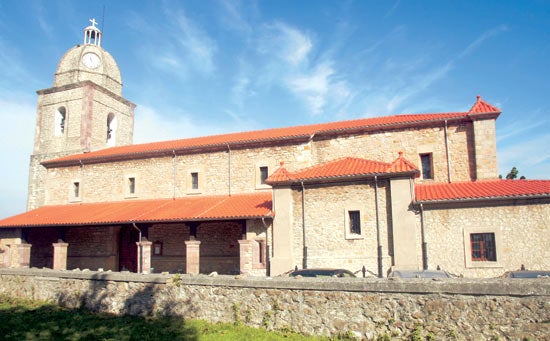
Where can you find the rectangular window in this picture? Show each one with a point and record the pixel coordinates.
(131, 185)
(76, 189)
(426, 163)
(263, 174)
(483, 247)
(354, 222)
(194, 180)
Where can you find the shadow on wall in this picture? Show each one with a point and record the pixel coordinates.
(131, 298)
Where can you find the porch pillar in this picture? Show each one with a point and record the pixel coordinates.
(144, 256)
(60, 255)
(246, 252)
(192, 256)
(21, 254)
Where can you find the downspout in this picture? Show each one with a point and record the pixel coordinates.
(378, 241)
(447, 154)
(174, 171)
(424, 244)
(267, 256)
(140, 248)
(229, 169)
(304, 252)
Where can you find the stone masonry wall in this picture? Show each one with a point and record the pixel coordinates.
(328, 239)
(366, 308)
(237, 171)
(522, 230)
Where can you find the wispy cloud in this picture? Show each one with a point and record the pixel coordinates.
(285, 42)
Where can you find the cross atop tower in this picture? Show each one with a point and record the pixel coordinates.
(92, 34)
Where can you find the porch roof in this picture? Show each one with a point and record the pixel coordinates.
(196, 208)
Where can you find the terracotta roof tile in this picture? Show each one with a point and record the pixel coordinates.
(401, 165)
(478, 190)
(347, 167)
(161, 210)
(254, 137)
(482, 107)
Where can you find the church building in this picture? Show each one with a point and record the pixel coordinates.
(407, 192)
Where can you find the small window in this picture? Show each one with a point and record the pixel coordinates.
(157, 248)
(194, 180)
(76, 189)
(60, 118)
(354, 222)
(111, 129)
(426, 162)
(263, 174)
(483, 247)
(131, 185)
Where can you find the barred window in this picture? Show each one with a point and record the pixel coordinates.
(354, 222)
(483, 247)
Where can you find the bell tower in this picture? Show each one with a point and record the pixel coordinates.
(83, 111)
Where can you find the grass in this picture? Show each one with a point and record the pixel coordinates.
(34, 320)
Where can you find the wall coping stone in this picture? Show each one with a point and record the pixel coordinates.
(460, 286)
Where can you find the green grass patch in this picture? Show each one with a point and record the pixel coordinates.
(33, 320)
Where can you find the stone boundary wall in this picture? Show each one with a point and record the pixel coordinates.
(480, 309)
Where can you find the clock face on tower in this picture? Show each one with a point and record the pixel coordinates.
(91, 60)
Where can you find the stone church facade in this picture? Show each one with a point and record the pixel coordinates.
(397, 192)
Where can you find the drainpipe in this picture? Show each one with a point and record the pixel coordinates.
(140, 260)
(174, 171)
(304, 252)
(229, 168)
(267, 256)
(447, 154)
(424, 244)
(379, 243)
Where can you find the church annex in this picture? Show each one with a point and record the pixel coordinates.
(397, 192)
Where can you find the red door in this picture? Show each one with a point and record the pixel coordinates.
(127, 259)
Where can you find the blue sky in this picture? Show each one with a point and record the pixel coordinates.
(206, 67)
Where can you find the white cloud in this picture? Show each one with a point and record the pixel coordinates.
(287, 43)
(198, 47)
(313, 87)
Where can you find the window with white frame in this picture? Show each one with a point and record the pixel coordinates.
(353, 223)
(481, 247)
(261, 174)
(75, 191)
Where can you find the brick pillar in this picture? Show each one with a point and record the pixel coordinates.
(22, 253)
(192, 256)
(245, 255)
(144, 256)
(60, 255)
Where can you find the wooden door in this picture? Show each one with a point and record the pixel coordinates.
(127, 259)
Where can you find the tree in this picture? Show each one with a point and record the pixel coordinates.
(513, 174)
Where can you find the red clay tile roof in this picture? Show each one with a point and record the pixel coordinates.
(347, 167)
(480, 190)
(254, 138)
(482, 107)
(195, 208)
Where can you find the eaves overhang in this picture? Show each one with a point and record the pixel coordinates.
(481, 199)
